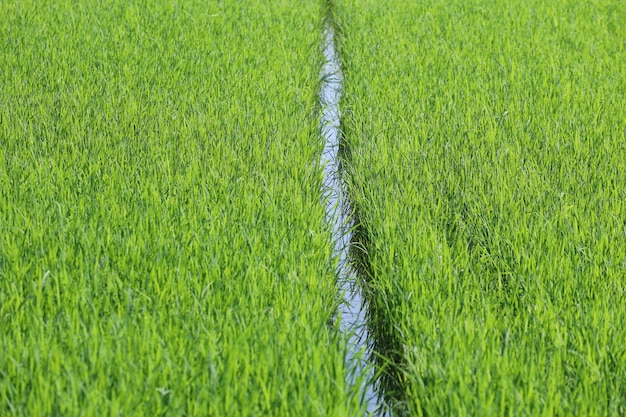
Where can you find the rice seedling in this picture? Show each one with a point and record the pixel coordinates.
(486, 157)
(163, 247)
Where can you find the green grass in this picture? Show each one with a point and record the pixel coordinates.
(486, 157)
(163, 249)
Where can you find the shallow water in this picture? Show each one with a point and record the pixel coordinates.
(353, 320)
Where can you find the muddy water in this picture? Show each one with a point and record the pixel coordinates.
(353, 309)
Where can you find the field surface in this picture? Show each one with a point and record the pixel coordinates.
(163, 249)
(486, 156)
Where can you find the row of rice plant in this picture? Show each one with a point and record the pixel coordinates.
(163, 247)
(486, 159)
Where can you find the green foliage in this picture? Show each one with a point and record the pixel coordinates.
(486, 157)
(163, 249)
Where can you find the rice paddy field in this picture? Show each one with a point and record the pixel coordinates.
(163, 246)
(485, 154)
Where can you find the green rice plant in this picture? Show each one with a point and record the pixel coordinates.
(485, 149)
(163, 247)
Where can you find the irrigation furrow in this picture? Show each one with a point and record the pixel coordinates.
(353, 309)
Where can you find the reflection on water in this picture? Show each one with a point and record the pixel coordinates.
(353, 308)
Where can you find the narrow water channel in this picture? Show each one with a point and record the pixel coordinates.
(353, 309)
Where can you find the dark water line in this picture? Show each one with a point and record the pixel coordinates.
(353, 308)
